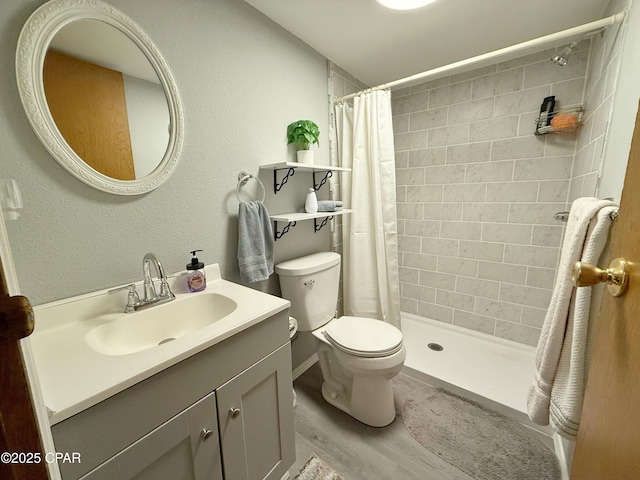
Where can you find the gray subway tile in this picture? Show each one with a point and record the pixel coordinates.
(517, 333)
(427, 157)
(515, 148)
(473, 321)
(435, 312)
(548, 168)
(481, 250)
(450, 94)
(469, 153)
(496, 309)
(436, 117)
(503, 272)
(485, 212)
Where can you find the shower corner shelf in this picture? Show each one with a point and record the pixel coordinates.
(292, 218)
(572, 117)
(291, 168)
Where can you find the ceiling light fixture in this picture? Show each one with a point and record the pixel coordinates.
(404, 4)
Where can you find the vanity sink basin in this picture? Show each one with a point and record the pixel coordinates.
(160, 324)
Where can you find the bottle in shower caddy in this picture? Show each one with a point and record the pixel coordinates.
(311, 203)
(196, 280)
(546, 113)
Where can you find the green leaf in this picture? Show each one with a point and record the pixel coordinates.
(303, 133)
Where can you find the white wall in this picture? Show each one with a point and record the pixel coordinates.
(242, 78)
(149, 121)
(620, 50)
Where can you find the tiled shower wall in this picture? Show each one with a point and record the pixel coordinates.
(477, 193)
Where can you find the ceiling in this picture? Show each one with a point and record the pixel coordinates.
(378, 45)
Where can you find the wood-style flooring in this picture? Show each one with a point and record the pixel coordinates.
(357, 451)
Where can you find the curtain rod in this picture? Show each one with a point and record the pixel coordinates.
(580, 29)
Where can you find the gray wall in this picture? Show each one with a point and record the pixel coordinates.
(242, 78)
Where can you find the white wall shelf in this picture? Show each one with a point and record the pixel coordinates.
(293, 218)
(291, 168)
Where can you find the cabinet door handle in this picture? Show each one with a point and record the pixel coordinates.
(234, 412)
(206, 434)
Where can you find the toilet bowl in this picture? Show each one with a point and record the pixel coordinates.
(358, 356)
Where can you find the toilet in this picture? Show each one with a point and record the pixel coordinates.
(358, 356)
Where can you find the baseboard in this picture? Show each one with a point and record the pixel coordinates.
(564, 451)
(286, 476)
(304, 366)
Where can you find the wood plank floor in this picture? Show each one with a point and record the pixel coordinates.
(357, 451)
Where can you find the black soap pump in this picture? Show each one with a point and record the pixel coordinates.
(546, 112)
(196, 280)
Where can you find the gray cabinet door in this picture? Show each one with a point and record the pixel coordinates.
(184, 448)
(255, 413)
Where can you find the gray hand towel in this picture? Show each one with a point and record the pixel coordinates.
(329, 205)
(255, 242)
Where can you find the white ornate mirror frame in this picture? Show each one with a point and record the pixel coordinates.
(33, 42)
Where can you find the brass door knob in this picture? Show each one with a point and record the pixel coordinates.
(616, 276)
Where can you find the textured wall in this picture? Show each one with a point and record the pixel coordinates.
(242, 78)
(477, 193)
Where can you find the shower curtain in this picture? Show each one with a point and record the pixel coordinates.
(370, 263)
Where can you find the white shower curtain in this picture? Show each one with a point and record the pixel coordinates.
(370, 263)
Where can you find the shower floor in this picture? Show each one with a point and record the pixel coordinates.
(500, 370)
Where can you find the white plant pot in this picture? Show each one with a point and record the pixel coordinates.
(305, 156)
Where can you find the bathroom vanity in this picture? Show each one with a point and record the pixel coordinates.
(214, 403)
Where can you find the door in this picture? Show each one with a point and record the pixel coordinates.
(88, 104)
(255, 412)
(19, 434)
(608, 445)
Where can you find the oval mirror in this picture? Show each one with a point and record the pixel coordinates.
(100, 96)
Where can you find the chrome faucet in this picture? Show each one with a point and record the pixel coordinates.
(150, 295)
(134, 302)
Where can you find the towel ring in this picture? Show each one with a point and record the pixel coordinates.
(243, 178)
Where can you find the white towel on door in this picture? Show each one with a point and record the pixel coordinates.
(555, 323)
(567, 392)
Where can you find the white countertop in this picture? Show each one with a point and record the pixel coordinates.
(73, 376)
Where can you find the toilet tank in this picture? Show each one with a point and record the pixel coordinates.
(311, 284)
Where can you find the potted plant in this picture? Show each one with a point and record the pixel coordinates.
(303, 134)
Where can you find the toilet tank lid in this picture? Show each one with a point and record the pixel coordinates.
(313, 263)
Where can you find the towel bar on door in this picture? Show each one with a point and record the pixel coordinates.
(243, 178)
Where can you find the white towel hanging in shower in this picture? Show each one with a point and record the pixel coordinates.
(569, 383)
(562, 302)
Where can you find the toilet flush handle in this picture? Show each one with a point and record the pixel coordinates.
(309, 283)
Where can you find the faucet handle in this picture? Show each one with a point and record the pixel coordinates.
(132, 297)
(165, 290)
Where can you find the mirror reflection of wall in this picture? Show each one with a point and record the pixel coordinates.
(106, 100)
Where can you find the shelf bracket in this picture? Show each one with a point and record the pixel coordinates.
(277, 186)
(327, 175)
(278, 235)
(316, 227)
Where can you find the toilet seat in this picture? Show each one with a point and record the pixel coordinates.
(363, 337)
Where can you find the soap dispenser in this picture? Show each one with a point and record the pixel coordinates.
(196, 280)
